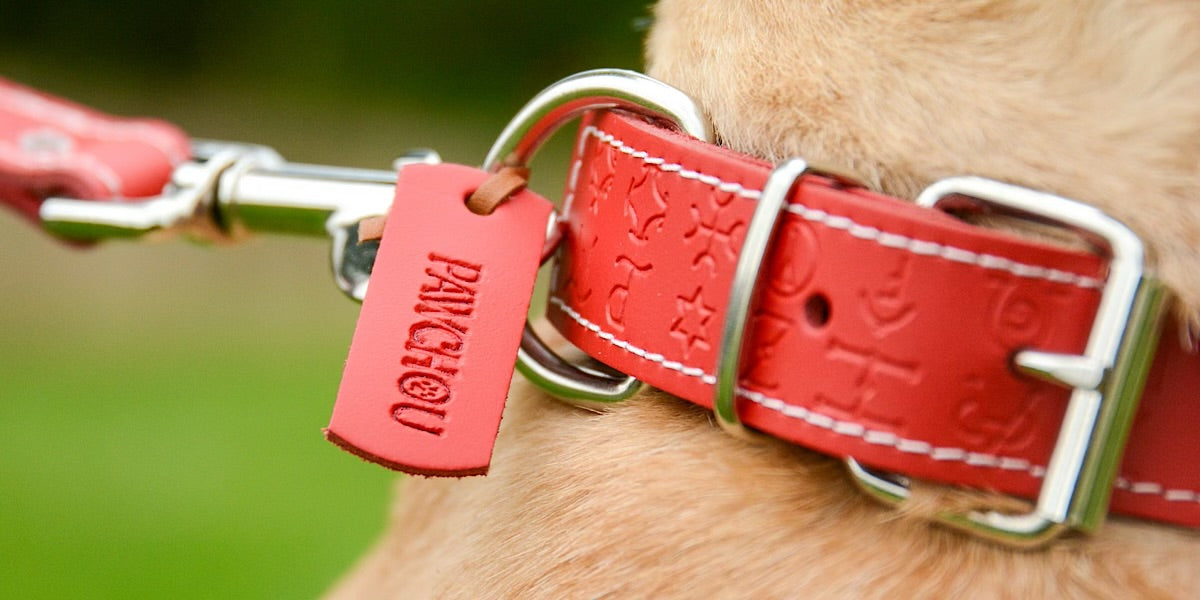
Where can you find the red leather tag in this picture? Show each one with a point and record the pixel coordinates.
(436, 341)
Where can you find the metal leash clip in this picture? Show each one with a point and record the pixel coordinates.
(230, 188)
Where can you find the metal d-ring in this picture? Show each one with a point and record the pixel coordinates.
(759, 233)
(520, 140)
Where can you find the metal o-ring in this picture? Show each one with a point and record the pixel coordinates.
(516, 145)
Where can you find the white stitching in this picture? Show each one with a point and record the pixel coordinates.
(887, 240)
(1149, 488)
(855, 430)
(858, 230)
(846, 428)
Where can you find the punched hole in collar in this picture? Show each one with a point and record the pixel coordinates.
(817, 310)
(496, 189)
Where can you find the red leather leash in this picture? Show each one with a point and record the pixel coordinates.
(52, 147)
(884, 331)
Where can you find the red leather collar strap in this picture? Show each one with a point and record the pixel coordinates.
(49, 146)
(882, 331)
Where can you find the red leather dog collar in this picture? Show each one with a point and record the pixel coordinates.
(883, 331)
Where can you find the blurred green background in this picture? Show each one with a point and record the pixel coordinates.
(161, 403)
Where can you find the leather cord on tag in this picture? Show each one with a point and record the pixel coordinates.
(497, 188)
(371, 228)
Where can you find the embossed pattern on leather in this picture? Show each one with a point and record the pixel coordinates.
(882, 330)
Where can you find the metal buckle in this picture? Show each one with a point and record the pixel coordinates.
(229, 187)
(187, 203)
(1107, 377)
(536, 121)
(759, 233)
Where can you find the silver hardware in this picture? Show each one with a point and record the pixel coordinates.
(763, 226)
(229, 188)
(1107, 378)
(316, 200)
(599, 89)
(352, 261)
(520, 140)
(559, 377)
(417, 156)
(186, 203)
(888, 488)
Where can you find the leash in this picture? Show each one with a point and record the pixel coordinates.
(49, 146)
(789, 299)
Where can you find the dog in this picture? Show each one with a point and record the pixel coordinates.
(1092, 100)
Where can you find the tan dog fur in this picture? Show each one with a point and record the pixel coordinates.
(1098, 101)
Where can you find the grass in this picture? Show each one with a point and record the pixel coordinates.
(164, 440)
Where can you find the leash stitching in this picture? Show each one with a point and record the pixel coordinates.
(870, 436)
(842, 223)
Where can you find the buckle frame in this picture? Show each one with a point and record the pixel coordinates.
(1107, 377)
